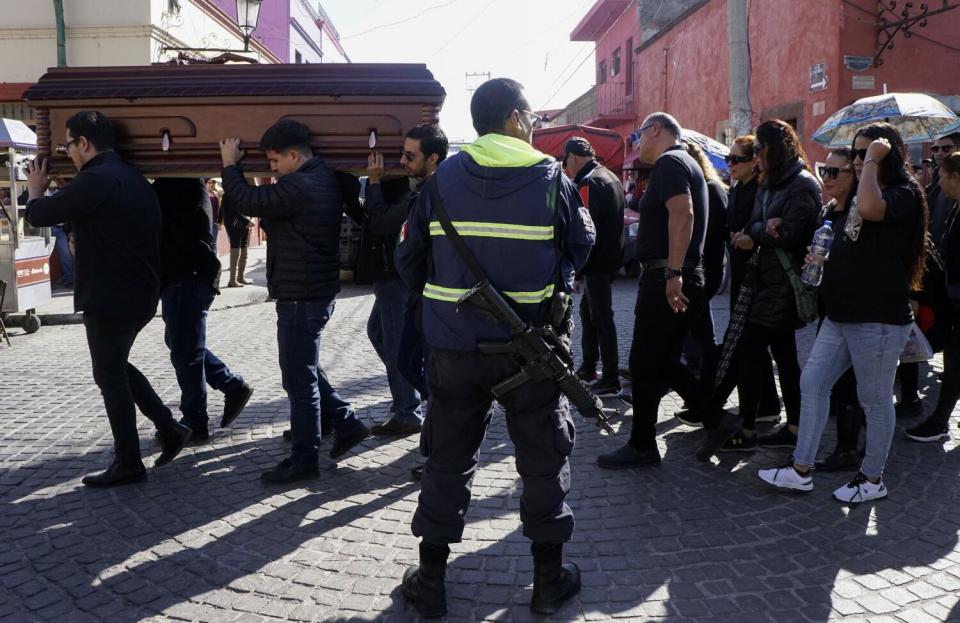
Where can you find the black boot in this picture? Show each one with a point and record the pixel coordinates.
(553, 581)
(423, 586)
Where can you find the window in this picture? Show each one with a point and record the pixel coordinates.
(615, 69)
(298, 58)
(602, 72)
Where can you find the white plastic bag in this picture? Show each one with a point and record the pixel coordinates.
(917, 348)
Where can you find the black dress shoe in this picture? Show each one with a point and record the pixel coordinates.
(233, 403)
(627, 456)
(341, 445)
(116, 475)
(395, 427)
(417, 473)
(726, 427)
(172, 442)
(287, 472)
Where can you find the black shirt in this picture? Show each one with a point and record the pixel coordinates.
(674, 173)
(868, 280)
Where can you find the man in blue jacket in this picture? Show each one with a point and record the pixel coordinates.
(301, 214)
(116, 225)
(526, 226)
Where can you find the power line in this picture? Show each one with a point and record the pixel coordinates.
(570, 77)
(467, 24)
(403, 21)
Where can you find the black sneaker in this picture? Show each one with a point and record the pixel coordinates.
(587, 375)
(172, 441)
(728, 425)
(342, 444)
(911, 408)
(200, 433)
(233, 403)
(689, 417)
(928, 430)
(840, 461)
(627, 456)
(606, 388)
(740, 443)
(783, 438)
(287, 472)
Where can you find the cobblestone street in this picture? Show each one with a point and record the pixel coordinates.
(203, 540)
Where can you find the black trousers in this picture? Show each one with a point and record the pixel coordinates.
(598, 331)
(124, 388)
(754, 342)
(658, 335)
(950, 379)
(459, 412)
(238, 233)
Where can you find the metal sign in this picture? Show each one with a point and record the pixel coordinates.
(864, 83)
(857, 63)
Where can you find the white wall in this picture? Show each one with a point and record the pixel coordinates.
(307, 14)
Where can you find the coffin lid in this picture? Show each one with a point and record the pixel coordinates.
(162, 81)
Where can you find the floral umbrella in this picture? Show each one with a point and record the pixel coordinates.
(919, 118)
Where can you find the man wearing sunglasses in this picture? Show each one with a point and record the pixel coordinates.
(116, 224)
(939, 203)
(424, 148)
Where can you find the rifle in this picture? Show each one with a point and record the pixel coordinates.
(539, 351)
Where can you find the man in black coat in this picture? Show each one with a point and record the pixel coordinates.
(301, 214)
(603, 195)
(116, 225)
(190, 274)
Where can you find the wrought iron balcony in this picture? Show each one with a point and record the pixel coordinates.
(610, 103)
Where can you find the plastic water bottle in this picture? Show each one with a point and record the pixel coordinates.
(820, 250)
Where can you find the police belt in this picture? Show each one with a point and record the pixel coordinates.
(688, 264)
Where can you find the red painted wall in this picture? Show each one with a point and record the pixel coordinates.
(684, 71)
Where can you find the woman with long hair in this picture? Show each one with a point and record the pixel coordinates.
(934, 428)
(782, 222)
(877, 258)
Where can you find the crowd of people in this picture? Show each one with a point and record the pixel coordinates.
(500, 213)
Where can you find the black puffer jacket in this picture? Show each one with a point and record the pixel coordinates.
(795, 200)
(301, 214)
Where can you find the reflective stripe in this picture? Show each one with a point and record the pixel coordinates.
(496, 230)
(452, 295)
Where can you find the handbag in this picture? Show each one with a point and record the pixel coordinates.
(805, 297)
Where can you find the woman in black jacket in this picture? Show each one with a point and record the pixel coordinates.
(781, 224)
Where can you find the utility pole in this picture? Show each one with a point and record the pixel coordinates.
(61, 34)
(738, 35)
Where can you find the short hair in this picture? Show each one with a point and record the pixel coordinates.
(432, 140)
(94, 126)
(285, 135)
(951, 163)
(667, 121)
(492, 103)
(579, 146)
(953, 136)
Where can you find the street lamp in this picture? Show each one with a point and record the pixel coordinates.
(248, 11)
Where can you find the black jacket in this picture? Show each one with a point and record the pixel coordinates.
(116, 225)
(605, 199)
(186, 243)
(301, 214)
(716, 238)
(740, 201)
(381, 215)
(795, 200)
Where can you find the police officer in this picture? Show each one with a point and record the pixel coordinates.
(526, 226)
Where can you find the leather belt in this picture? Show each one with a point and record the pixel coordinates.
(688, 264)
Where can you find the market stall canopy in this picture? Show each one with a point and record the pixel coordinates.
(918, 117)
(169, 119)
(16, 134)
(606, 143)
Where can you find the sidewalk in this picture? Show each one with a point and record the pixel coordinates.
(60, 310)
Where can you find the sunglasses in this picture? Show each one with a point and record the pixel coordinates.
(62, 149)
(535, 119)
(858, 153)
(832, 172)
(732, 159)
(944, 148)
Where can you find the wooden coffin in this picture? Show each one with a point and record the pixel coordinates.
(194, 106)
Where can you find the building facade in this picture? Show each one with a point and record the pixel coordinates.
(808, 59)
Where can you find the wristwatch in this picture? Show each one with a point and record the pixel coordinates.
(670, 273)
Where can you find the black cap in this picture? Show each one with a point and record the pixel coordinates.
(578, 146)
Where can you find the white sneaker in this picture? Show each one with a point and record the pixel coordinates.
(787, 477)
(860, 490)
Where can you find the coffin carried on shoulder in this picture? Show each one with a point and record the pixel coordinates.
(169, 119)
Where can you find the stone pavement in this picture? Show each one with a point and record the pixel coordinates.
(202, 540)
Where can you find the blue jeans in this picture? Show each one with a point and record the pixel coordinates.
(385, 329)
(873, 350)
(62, 247)
(185, 306)
(299, 324)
